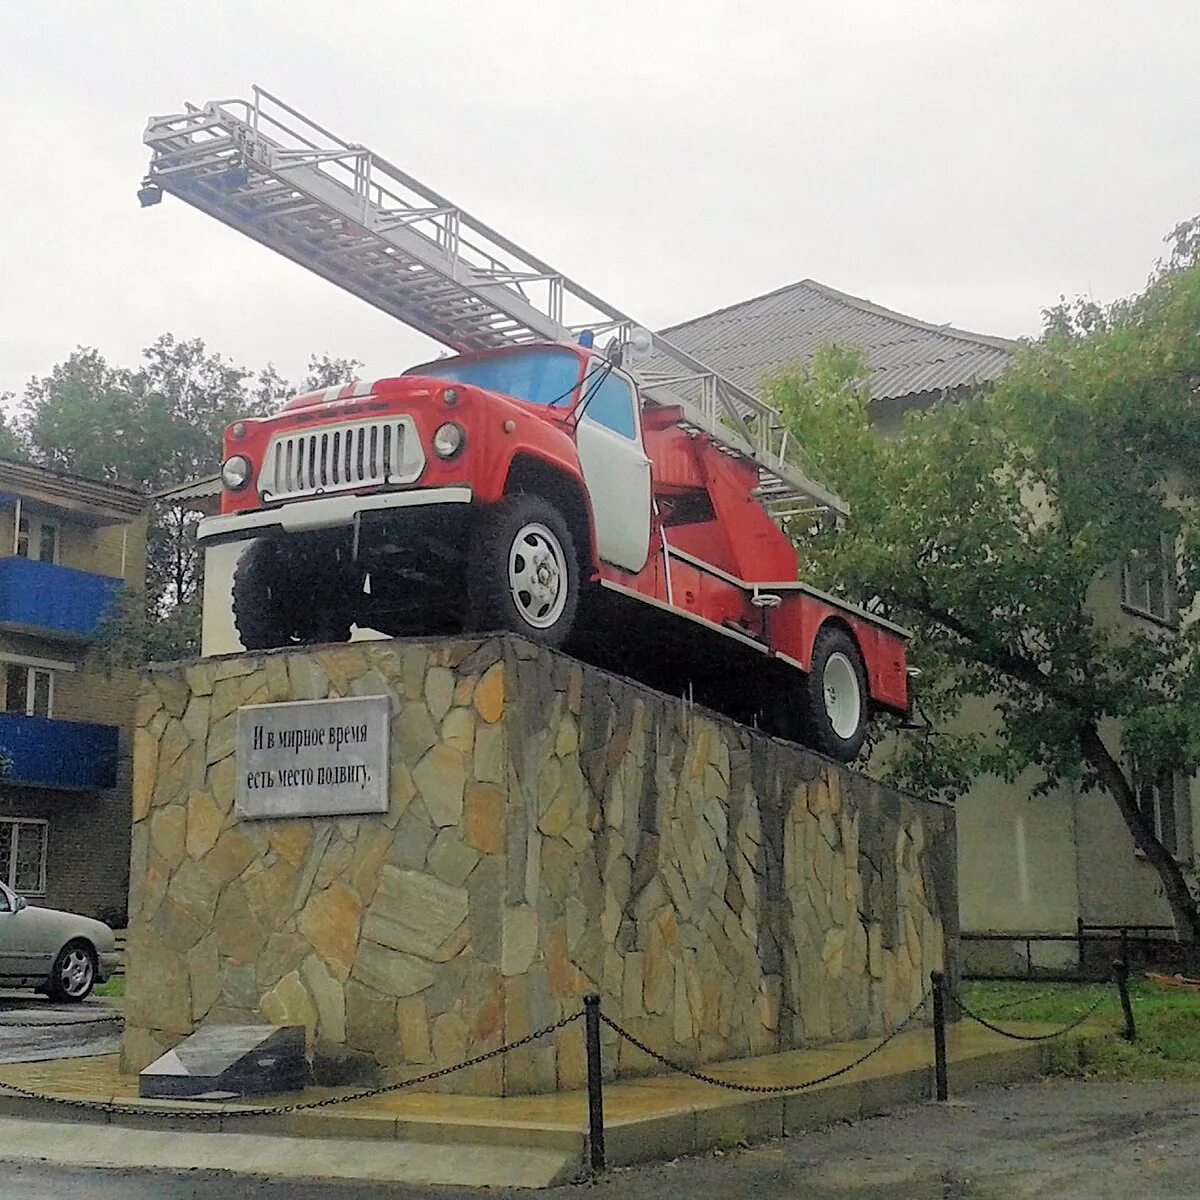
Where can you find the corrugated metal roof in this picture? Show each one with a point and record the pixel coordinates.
(906, 357)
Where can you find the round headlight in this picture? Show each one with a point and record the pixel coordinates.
(235, 472)
(448, 440)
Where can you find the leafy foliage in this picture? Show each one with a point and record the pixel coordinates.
(995, 526)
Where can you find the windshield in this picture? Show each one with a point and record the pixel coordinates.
(539, 375)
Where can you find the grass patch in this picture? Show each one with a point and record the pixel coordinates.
(1168, 1026)
(114, 987)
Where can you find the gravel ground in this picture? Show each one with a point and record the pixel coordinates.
(1060, 1139)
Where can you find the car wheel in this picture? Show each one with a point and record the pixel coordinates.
(74, 973)
(523, 574)
(837, 712)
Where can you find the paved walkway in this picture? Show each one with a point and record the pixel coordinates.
(532, 1141)
(1058, 1140)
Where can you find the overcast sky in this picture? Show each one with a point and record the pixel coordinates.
(965, 161)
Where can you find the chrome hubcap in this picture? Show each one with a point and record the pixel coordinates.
(76, 973)
(843, 697)
(537, 576)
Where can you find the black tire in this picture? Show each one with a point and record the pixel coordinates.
(835, 697)
(496, 601)
(286, 592)
(74, 973)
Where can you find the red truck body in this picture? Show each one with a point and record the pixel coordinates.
(663, 524)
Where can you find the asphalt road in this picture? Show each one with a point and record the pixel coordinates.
(1060, 1140)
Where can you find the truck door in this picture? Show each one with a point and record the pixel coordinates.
(616, 469)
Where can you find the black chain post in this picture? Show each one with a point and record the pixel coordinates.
(937, 982)
(1121, 971)
(595, 1081)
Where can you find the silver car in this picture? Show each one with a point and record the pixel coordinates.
(55, 952)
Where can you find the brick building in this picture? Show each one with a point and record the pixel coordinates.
(66, 546)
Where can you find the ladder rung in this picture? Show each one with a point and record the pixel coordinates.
(350, 216)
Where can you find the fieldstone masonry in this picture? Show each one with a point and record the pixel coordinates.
(552, 830)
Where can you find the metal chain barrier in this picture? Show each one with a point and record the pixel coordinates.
(141, 1110)
(101, 1020)
(593, 1018)
(1037, 998)
(1025, 1037)
(761, 1089)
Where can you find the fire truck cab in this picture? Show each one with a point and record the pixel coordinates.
(535, 488)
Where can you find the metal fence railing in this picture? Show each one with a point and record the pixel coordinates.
(1088, 952)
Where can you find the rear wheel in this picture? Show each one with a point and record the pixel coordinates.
(835, 696)
(522, 571)
(294, 590)
(74, 973)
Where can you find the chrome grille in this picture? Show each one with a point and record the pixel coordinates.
(332, 458)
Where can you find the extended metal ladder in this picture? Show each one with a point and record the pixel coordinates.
(355, 219)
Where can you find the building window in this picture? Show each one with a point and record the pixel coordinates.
(28, 691)
(23, 855)
(48, 543)
(1166, 804)
(1148, 583)
(37, 539)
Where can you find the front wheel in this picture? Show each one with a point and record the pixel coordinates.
(294, 591)
(835, 696)
(74, 973)
(522, 571)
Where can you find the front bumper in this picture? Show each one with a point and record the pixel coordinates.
(321, 512)
(107, 965)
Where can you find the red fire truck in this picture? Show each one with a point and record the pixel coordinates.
(618, 503)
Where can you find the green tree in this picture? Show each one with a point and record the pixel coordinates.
(993, 526)
(11, 444)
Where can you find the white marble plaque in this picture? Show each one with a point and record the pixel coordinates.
(313, 758)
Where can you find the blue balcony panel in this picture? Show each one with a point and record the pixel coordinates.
(45, 598)
(69, 755)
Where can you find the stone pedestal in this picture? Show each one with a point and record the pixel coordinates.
(551, 830)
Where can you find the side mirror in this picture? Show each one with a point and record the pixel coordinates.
(19, 902)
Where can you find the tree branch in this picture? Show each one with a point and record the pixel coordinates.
(1187, 920)
(995, 656)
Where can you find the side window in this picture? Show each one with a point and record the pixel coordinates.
(1148, 583)
(41, 693)
(28, 691)
(48, 543)
(16, 688)
(23, 854)
(1166, 804)
(37, 539)
(612, 406)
